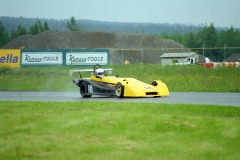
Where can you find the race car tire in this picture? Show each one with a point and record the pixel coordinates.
(84, 90)
(119, 89)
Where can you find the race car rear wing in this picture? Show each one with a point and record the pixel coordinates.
(71, 71)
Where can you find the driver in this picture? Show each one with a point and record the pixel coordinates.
(99, 73)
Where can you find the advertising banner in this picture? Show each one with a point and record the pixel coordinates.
(86, 58)
(42, 58)
(10, 58)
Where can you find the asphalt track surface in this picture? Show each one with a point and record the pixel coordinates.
(227, 99)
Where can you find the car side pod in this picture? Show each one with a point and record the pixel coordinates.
(162, 87)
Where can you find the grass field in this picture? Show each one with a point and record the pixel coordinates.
(177, 78)
(90, 130)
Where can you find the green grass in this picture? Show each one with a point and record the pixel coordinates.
(105, 130)
(178, 78)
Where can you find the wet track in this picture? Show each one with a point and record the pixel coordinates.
(231, 99)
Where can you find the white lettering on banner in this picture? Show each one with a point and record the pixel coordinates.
(86, 58)
(42, 58)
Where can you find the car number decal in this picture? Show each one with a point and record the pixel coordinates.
(90, 88)
(148, 88)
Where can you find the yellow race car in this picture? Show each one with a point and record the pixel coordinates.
(101, 84)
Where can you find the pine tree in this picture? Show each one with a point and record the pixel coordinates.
(4, 37)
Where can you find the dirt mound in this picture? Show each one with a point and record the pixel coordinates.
(135, 46)
(64, 39)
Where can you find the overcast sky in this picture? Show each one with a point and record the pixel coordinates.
(223, 13)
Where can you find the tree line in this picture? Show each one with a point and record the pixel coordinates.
(11, 23)
(35, 29)
(219, 43)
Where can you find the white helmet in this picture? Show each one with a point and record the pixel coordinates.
(99, 73)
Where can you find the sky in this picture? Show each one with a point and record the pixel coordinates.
(222, 13)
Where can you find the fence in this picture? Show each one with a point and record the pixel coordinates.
(141, 55)
(152, 55)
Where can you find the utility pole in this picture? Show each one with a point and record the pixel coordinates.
(224, 57)
(161, 55)
(182, 54)
(122, 56)
(203, 54)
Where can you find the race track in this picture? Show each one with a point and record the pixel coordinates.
(231, 99)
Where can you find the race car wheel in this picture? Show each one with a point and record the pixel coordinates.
(119, 89)
(84, 90)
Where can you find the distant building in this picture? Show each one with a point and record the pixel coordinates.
(171, 58)
(233, 58)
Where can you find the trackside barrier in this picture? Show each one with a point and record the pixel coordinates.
(208, 65)
(221, 64)
(64, 57)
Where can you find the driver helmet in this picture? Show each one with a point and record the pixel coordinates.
(99, 73)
